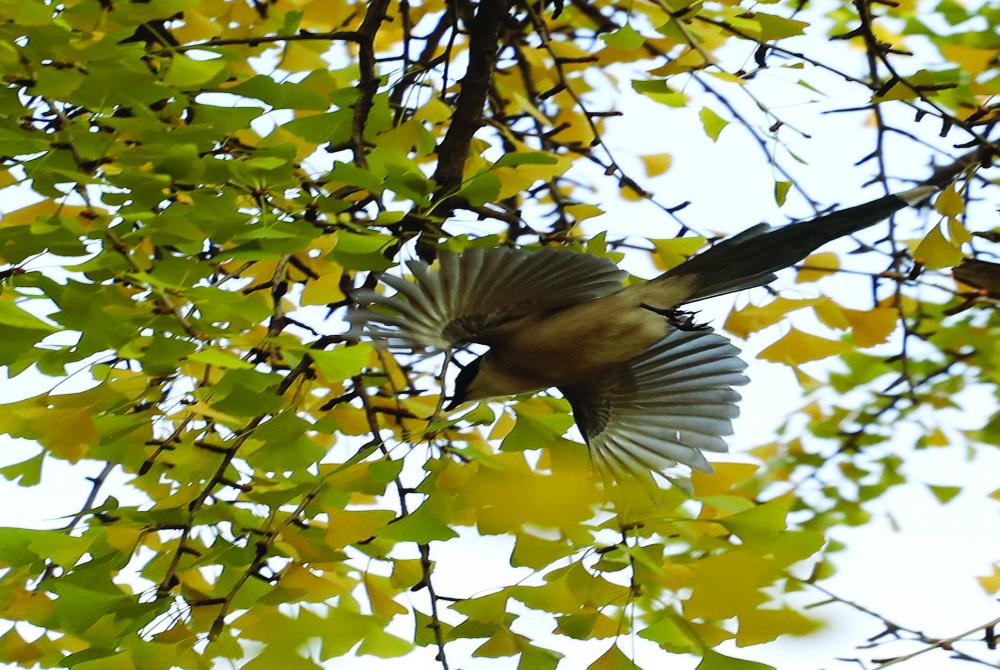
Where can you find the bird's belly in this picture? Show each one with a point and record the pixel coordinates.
(578, 344)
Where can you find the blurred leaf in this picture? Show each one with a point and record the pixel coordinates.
(715, 661)
(797, 347)
(624, 38)
(944, 494)
(936, 252)
(818, 265)
(613, 659)
(712, 123)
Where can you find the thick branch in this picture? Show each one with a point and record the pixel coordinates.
(368, 82)
(468, 117)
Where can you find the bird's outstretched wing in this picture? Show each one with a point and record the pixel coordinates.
(662, 408)
(475, 292)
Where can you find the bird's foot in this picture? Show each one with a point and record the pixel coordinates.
(678, 318)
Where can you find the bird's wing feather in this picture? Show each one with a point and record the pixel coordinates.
(473, 293)
(662, 408)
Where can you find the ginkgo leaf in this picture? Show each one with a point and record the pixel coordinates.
(325, 288)
(674, 251)
(936, 252)
(991, 584)
(582, 212)
(625, 37)
(751, 318)
(871, 327)
(781, 191)
(712, 123)
(944, 494)
(777, 27)
(764, 625)
(949, 203)
(797, 347)
(656, 164)
(818, 265)
(716, 661)
(613, 659)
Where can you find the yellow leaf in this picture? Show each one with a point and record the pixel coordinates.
(949, 203)
(67, 433)
(818, 265)
(583, 212)
(763, 625)
(503, 643)
(991, 584)
(503, 426)
(797, 347)
(310, 587)
(935, 252)
(656, 164)
(350, 420)
(406, 572)
(515, 179)
(807, 382)
(957, 233)
(973, 61)
(937, 438)
(672, 252)
(728, 584)
(304, 57)
(381, 598)
(831, 314)
(347, 527)
(727, 476)
(742, 322)
(872, 327)
(778, 27)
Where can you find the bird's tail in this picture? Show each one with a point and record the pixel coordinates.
(752, 257)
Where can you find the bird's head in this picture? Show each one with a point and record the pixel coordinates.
(487, 377)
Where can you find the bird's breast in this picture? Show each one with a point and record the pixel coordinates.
(577, 344)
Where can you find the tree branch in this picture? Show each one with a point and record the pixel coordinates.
(484, 36)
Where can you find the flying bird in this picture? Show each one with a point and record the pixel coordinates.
(648, 388)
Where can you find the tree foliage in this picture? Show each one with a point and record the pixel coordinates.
(193, 189)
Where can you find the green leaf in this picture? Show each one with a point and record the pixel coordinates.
(625, 37)
(712, 123)
(188, 73)
(220, 358)
(658, 90)
(944, 494)
(515, 158)
(481, 189)
(14, 317)
(342, 362)
(781, 191)
(760, 523)
(613, 659)
(421, 526)
(281, 95)
(777, 27)
(25, 473)
(671, 635)
(537, 658)
(715, 661)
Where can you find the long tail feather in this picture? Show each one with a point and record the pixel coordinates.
(752, 257)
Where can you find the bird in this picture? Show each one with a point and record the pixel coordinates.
(648, 388)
